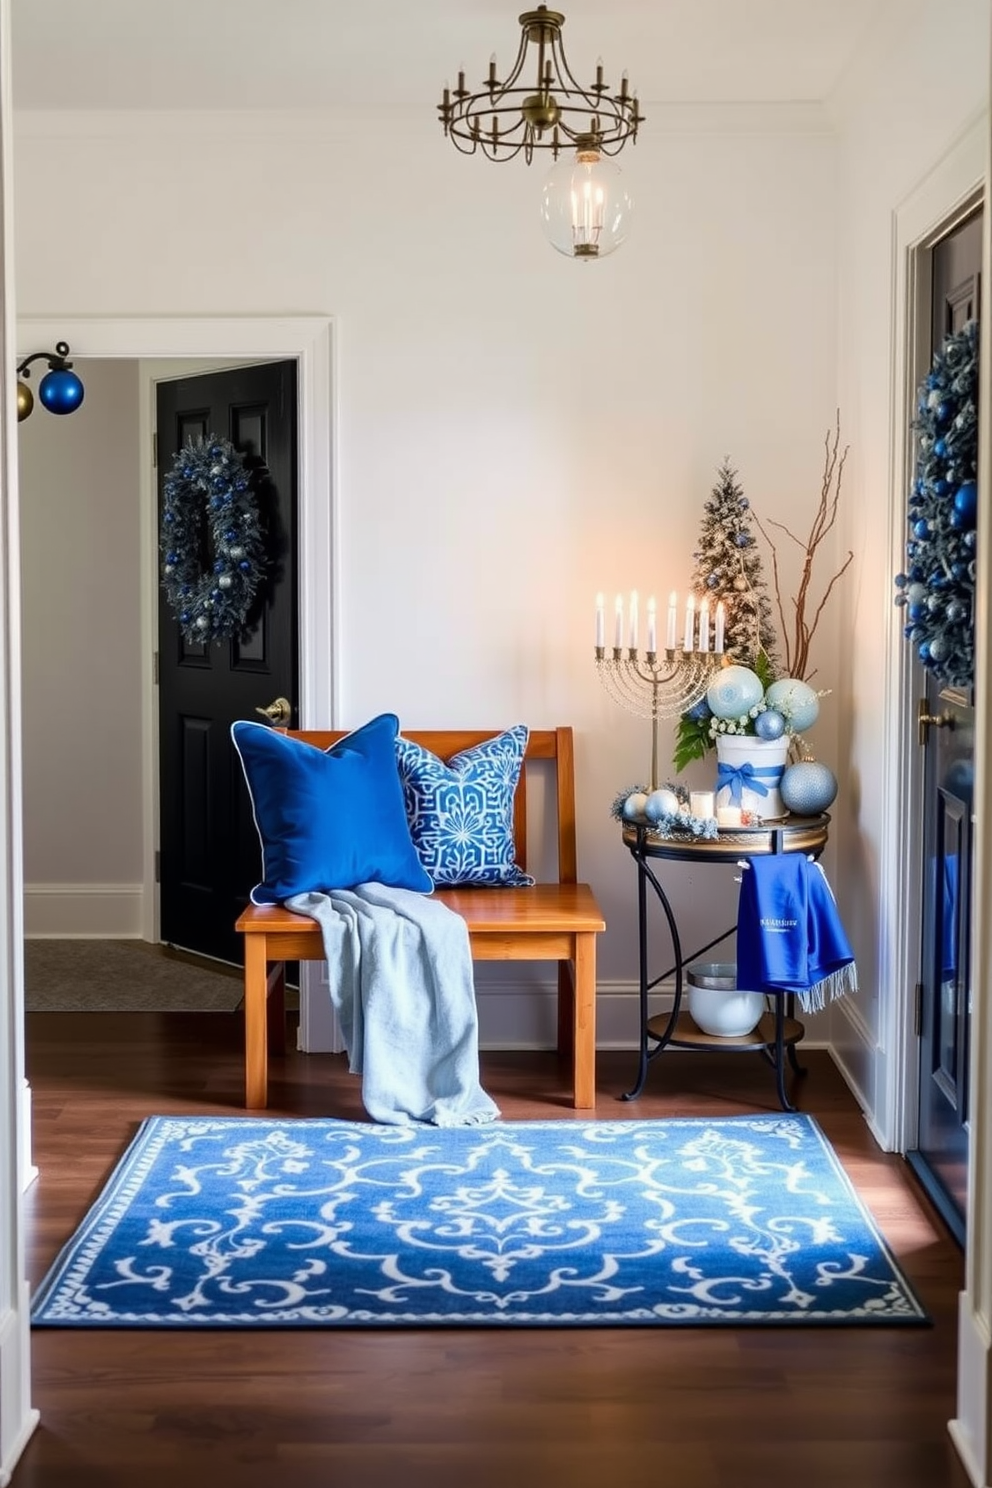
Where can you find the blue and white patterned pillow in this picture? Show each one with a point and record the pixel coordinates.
(461, 813)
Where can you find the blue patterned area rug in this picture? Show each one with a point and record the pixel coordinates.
(248, 1222)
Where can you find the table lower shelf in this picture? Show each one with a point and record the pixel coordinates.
(688, 1036)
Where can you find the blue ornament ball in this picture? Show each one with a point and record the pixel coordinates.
(808, 788)
(61, 391)
(796, 701)
(770, 724)
(734, 691)
(966, 501)
(634, 805)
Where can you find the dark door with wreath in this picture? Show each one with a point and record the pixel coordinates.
(946, 734)
(209, 851)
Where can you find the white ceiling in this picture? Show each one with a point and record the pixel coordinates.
(320, 54)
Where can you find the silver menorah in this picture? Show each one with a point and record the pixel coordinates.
(662, 684)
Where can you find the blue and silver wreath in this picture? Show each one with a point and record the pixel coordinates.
(213, 550)
(938, 588)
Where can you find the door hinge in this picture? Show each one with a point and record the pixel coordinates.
(918, 1009)
(158, 866)
(155, 450)
(154, 668)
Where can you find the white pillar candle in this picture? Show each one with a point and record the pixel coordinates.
(633, 620)
(652, 625)
(673, 601)
(704, 625)
(690, 619)
(718, 643)
(728, 816)
(618, 628)
(600, 623)
(702, 803)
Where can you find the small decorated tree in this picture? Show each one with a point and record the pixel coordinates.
(728, 568)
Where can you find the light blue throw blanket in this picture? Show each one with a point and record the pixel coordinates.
(399, 966)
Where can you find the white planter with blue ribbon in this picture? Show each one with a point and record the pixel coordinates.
(749, 772)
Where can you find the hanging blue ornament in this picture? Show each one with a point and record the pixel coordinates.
(61, 391)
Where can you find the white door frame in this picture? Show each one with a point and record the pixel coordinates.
(953, 188)
(310, 341)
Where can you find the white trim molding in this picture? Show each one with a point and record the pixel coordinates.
(17, 1417)
(83, 911)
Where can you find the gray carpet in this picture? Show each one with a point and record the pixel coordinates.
(127, 976)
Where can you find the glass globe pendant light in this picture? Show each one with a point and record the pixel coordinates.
(585, 206)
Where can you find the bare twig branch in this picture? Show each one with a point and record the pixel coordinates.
(797, 646)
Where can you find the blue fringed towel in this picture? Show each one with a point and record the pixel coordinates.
(789, 933)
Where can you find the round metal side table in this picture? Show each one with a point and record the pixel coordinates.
(777, 1033)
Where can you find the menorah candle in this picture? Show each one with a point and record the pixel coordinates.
(618, 628)
(704, 625)
(673, 604)
(702, 803)
(652, 625)
(600, 623)
(718, 642)
(633, 620)
(690, 618)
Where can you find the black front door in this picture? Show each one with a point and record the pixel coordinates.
(209, 848)
(940, 1154)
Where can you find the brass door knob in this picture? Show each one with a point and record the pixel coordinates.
(925, 720)
(279, 713)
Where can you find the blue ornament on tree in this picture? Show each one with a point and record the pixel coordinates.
(808, 788)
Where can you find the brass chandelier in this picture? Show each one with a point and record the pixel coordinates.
(552, 111)
(585, 208)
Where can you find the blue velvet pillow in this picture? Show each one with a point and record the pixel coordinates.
(461, 813)
(328, 819)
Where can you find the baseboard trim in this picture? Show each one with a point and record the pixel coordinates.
(83, 911)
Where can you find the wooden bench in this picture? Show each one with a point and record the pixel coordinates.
(555, 921)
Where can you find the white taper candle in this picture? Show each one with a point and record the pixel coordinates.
(673, 601)
(690, 618)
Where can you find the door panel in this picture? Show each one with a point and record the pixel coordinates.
(940, 1155)
(210, 855)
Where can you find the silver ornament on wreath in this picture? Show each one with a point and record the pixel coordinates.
(212, 544)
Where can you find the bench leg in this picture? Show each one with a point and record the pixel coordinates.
(275, 1003)
(566, 1011)
(256, 1024)
(584, 1024)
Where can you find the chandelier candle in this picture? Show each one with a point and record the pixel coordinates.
(658, 684)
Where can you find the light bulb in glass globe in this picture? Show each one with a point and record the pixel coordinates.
(585, 207)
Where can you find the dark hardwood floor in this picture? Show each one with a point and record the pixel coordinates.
(670, 1408)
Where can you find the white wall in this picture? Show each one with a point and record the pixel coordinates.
(80, 575)
(516, 431)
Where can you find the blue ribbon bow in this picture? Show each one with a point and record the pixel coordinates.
(738, 776)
